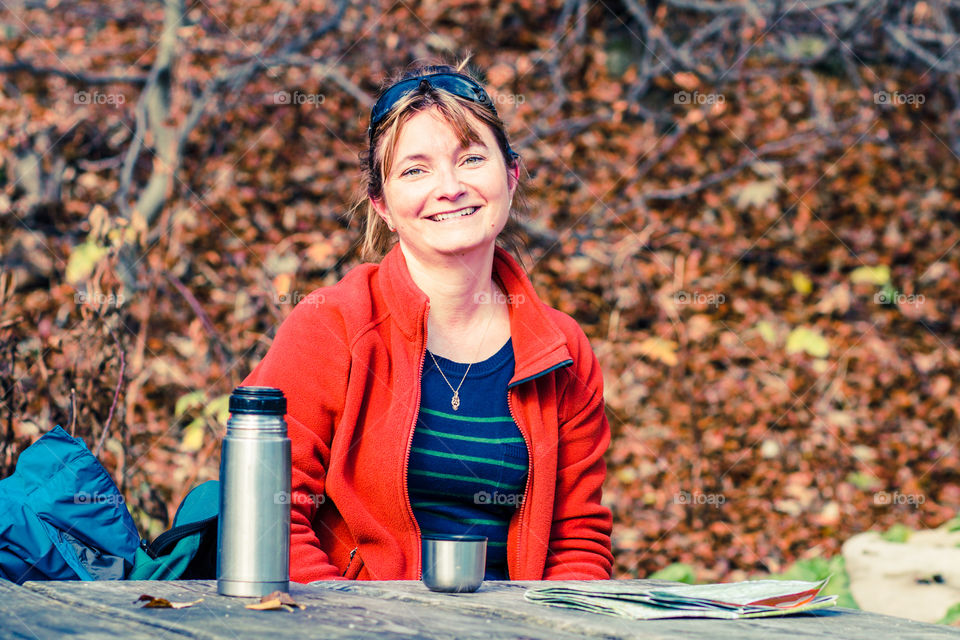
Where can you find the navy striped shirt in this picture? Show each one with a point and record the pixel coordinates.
(468, 468)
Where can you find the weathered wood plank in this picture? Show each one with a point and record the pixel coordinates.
(396, 609)
(28, 614)
(506, 599)
(329, 614)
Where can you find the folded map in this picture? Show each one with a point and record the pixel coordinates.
(750, 599)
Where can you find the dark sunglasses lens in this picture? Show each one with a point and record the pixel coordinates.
(457, 85)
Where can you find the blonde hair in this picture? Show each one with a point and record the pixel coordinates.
(377, 160)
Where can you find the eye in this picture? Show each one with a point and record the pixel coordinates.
(473, 159)
(412, 171)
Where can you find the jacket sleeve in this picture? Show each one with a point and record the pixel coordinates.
(309, 361)
(579, 546)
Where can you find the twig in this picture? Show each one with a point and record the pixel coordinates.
(73, 410)
(742, 7)
(327, 70)
(8, 394)
(116, 394)
(900, 37)
(10, 322)
(83, 78)
(198, 309)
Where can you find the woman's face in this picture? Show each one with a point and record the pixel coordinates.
(442, 197)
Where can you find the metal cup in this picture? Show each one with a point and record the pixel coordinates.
(454, 564)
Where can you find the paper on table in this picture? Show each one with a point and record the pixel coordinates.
(751, 599)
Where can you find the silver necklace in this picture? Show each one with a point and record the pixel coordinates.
(455, 400)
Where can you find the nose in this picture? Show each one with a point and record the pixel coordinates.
(449, 186)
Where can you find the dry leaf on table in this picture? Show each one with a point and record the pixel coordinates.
(276, 601)
(150, 602)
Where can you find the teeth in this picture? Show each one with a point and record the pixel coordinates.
(454, 214)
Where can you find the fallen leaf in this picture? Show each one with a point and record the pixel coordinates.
(756, 193)
(321, 252)
(193, 435)
(659, 349)
(804, 339)
(82, 261)
(151, 602)
(802, 283)
(276, 601)
(282, 283)
(879, 275)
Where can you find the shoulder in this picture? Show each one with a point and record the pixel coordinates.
(577, 341)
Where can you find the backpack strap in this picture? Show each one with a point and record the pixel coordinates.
(166, 540)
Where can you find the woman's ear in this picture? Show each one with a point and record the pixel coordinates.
(513, 175)
(381, 208)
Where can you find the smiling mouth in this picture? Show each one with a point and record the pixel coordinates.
(460, 213)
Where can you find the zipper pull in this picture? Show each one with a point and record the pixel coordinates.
(147, 549)
(352, 553)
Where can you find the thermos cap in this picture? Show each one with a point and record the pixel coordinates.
(258, 401)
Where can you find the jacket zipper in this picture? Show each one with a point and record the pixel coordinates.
(526, 440)
(406, 459)
(526, 490)
(353, 552)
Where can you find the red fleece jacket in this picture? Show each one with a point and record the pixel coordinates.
(349, 360)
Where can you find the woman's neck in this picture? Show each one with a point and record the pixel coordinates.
(460, 288)
(467, 309)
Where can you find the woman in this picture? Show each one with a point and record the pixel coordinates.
(434, 392)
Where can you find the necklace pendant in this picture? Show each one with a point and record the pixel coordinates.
(455, 401)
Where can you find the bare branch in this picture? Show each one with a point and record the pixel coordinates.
(939, 62)
(116, 393)
(21, 66)
(204, 318)
(73, 410)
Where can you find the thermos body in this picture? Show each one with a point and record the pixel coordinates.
(253, 536)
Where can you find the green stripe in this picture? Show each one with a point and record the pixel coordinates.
(453, 456)
(450, 476)
(451, 416)
(424, 505)
(454, 436)
(496, 544)
(436, 492)
(495, 523)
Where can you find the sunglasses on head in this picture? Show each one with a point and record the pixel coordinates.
(459, 85)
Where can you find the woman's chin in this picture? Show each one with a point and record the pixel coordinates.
(453, 244)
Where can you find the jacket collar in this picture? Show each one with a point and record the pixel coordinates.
(538, 344)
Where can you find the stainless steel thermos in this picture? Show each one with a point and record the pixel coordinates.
(253, 531)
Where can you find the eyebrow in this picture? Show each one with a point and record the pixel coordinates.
(424, 156)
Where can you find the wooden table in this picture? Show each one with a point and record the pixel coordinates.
(401, 609)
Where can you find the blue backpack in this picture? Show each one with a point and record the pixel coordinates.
(62, 517)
